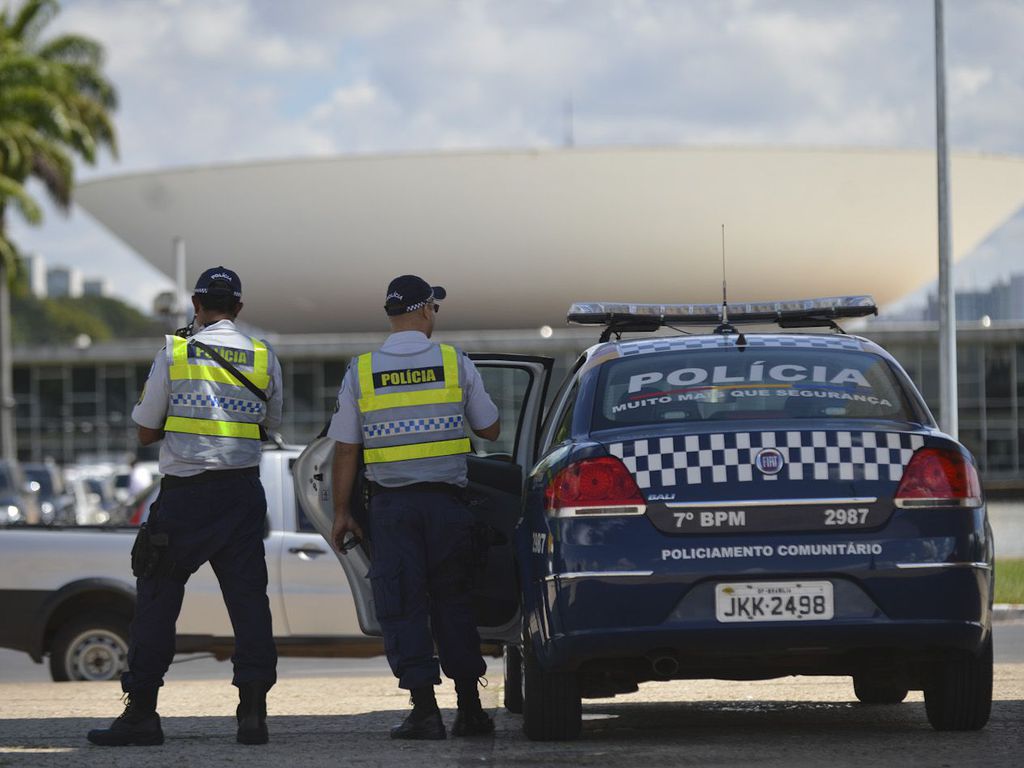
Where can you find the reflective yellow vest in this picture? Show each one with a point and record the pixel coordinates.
(206, 399)
(411, 413)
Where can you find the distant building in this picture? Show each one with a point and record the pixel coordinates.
(1015, 295)
(34, 266)
(96, 286)
(63, 282)
(1003, 301)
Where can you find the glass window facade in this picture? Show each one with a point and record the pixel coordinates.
(990, 384)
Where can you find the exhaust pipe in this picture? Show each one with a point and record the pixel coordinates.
(664, 665)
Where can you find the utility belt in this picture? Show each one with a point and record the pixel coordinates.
(170, 481)
(450, 488)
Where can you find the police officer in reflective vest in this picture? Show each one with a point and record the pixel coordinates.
(211, 508)
(405, 408)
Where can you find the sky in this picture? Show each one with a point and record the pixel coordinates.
(214, 81)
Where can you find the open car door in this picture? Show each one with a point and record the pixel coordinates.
(496, 470)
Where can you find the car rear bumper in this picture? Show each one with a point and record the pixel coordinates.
(892, 612)
(827, 647)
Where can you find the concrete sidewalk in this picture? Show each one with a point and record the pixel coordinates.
(344, 721)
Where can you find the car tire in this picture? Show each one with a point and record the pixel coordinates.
(552, 708)
(93, 648)
(871, 690)
(513, 697)
(958, 696)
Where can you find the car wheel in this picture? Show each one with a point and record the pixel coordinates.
(552, 709)
(958, 697)
(93, 649)
(871, 690)
(513, 679)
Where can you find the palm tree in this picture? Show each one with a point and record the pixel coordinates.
(55, 104)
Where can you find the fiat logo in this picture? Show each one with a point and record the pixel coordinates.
(769, 461)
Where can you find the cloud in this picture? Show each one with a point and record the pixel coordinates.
(205, 81)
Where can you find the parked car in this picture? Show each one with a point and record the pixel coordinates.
(92, 490)
(18, 502)
(56, 504)
(68, 595)
(725, 505)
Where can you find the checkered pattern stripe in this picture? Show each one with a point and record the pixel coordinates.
(729, 458)
(413, 426)
(234, 404)
(675, 344)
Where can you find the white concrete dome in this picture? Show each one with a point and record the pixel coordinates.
(516, 236)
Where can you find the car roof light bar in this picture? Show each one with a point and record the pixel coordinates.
(637, 317)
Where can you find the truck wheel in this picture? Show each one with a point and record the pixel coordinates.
(871, 690)
(90, 648)
(958, 697)
(513, 679)
(552, 709)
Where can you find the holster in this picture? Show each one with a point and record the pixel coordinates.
(150, 558)
(148, 552)
(483, 536)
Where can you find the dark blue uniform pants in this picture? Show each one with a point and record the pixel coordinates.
(422, 578)
(220, 521)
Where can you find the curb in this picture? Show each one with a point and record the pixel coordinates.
(1007, 612)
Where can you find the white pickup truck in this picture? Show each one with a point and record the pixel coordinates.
(68, 593)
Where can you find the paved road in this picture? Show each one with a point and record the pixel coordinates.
(17, 667)
(337, 712)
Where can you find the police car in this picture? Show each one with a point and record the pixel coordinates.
(728, 505)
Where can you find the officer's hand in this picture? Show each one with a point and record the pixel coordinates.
(344, 524)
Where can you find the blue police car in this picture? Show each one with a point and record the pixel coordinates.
(721, 505)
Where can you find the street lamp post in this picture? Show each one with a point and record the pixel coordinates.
(948, 417)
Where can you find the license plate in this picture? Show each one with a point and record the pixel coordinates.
(774, 601)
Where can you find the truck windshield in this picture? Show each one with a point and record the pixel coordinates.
(760, 383)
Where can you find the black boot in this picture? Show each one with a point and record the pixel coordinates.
(424, 722)
(252, 714)
(138, 725)
(470, 720)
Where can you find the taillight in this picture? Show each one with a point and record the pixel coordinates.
(937, 477)
(599, 486)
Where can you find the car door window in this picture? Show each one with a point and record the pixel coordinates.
(563, 430)
(508, 388)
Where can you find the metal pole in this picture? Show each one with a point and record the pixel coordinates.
(8, 444)
(948, 415)
(181, 303)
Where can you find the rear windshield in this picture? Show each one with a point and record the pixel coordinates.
(730, 384)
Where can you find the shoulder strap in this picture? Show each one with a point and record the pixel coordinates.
(231, 369)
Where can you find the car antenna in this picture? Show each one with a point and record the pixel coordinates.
(725, 326)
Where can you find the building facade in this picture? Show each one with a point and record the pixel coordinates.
(75, 404)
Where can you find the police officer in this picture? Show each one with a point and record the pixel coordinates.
(211, 507)
(405, 409)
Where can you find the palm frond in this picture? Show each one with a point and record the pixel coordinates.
(72, 49)
(87, 80)
(55, 104)
(55, 178)
(12, 192)
(30, 20)
(10, 257)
